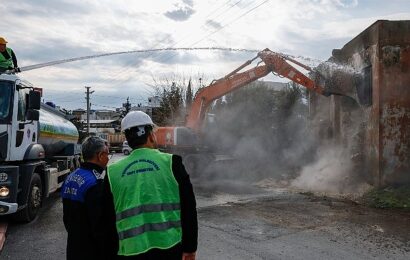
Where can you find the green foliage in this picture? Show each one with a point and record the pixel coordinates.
(189, 96)
(171, 110)
(390, 197)
(262, 116)
(177, 94)
(81, 128)
(126, 108)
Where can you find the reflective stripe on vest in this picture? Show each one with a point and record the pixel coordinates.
(6, 63)
(146, 201)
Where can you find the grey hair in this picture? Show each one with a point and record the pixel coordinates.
(91, 146)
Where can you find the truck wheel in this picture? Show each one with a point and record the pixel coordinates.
(126, 152)
(35, 199)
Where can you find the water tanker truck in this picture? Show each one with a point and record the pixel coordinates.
(38, 148)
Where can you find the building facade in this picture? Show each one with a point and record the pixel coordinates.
(372, 116)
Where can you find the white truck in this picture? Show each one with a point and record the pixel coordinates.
(38, 148)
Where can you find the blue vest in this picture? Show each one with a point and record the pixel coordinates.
(76, 185)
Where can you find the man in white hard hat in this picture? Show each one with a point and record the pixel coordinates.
(150, 203)
(8, 59)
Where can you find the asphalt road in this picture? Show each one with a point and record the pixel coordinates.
(238, 220)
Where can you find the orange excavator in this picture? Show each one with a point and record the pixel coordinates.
(186, 140)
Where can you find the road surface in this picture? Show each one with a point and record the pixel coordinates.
(238, 220)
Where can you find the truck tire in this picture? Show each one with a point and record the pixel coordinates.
(35, 199)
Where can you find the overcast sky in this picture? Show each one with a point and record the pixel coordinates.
(47, 30)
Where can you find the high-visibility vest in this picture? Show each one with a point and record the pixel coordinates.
(6, 63)
(146, 201)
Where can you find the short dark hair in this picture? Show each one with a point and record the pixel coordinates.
(135, 140)
(91, 146)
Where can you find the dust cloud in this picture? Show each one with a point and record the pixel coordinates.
(332, 172)
(267, 138)
(255, 132)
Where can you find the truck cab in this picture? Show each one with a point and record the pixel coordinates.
(19, 114)
(27, 174)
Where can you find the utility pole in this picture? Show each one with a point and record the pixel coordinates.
(88, 108)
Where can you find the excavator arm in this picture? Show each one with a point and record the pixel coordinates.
(219, 88)
(274, 62)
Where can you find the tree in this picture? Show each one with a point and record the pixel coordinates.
(171, 107)
(176, 94)
(81, 128)
(189, 96)
(258, 124)
(126, 107)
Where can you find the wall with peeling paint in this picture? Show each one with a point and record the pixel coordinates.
(372, 120)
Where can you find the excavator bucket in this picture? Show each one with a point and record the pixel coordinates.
(344, 81)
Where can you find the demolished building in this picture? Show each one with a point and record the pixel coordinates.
(372, 117)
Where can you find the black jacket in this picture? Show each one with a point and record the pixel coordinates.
(189, 220)
(82, 221)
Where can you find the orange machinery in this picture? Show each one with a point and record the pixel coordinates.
(185, 140)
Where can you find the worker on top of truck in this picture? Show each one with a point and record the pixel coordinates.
(8, 59)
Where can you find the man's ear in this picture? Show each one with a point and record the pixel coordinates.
(151, 137)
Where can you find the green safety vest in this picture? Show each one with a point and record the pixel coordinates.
(146, 201)
(6, 63)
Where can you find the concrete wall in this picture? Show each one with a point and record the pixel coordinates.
(373, 123)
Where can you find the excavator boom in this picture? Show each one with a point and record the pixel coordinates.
(276, 63)
(186, 140)
(219, 88)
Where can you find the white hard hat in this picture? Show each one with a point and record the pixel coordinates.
(135, 118)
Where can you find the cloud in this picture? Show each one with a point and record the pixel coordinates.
(347, 3)
(47, 8)
(189, 2)
(174, 57)
(182, 12)
(45, 50)
(48, 30)
(214, 24)
(240, 57)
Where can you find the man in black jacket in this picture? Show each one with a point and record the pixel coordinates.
(82, 203)
(150, 204)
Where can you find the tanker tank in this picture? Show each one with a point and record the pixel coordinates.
(56, 132)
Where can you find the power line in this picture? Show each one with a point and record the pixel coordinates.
(203, 26)
(227, 24)
(158, 43)
(215, 11)
(123, 98)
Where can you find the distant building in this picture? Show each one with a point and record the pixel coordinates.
(103, 125)
(78, 113)
(154, 101)
(100, 114)
(278, 86)
(105, 114)
(105, 120)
